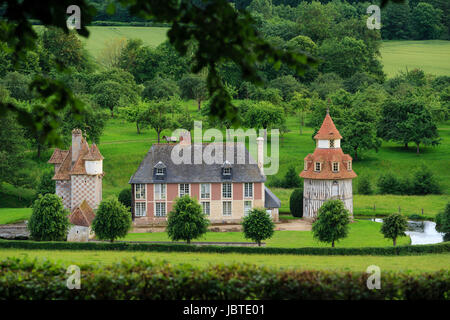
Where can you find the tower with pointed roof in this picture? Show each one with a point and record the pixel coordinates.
(327, 173)
(78, 173)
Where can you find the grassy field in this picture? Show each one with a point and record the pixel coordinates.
(363, 233)
(432, 56)
(11, 215)
(409, 264)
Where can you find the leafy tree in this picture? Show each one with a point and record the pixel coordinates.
(396, 21)
(364, 185)
(272, 95)
(296, 202)
(157, 116)
(388, 184)
(426, 21)
(194, 87)
(315, 21)
(111, 53)
(424, 182)
(125, 197)
(264, 115)
(108, 95)
(160, 88)
(359, 81)
(287, 85)
(327, 83)
(292, 179)
(394, 226)
(46, 184)
(301, 104)
(112, 220)
(443, 222)
(186, 221)
(332, 222)
(258, 225)
(135, 113)
(18, 85)
(49, 220)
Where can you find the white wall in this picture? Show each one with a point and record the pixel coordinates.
(94, 167)
(325, 144)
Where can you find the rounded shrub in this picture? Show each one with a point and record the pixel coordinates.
(49, 220)
(364, 185)
(125, 197)
(258, 225)
(112, 220)
(332, 223)
(394, 226)
(296, 202)
(186, 221)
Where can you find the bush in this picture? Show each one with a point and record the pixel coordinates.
(332, 222)
(394, 226)
(292, 179)
(443, 222)
(186, 221)
(388, 184)
(258, 225)
(49, 220)
(125, 197)
(424, 182)
(112, 220)
(46, 185)
(296, 202)
(364, 185)
(139, 280)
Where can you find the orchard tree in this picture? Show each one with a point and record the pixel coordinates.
(112, 220)
(258, 225)
(135, 113)
(394, 226)
(302, 105)
(49, 220)
(160, 88)
(296, 202)
(264, 115)
(332, 222)
(194, 87)
(157, 115)
(186, 221)
(287, 85)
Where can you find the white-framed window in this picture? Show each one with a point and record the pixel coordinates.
(205, 191)
(226, 208)
(159, 171)
(247, 207)
(305, 165)
(139, 191)
(248, 190)
(349, 165)
(140, 209)
(331, 143)
(318, 166)
(160, 209)
(335, 166)
(184, 189)
(206, 208)
(226, 171)
(160, 191)
(226, 190)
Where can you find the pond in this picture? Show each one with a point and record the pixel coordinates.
(421, 232)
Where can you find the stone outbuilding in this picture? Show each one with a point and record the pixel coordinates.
(81, 218)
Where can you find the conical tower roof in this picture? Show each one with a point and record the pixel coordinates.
(328, 130)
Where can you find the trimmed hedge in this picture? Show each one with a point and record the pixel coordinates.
(26, 279)
(179, 247)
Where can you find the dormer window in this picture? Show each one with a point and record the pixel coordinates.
(159, 170)
(349, 165)
(335, 166)
(332, 143)
(305, 165)
(318, 167)
(226, 170)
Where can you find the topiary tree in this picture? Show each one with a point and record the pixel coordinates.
(394, 226)
(443, 222)
(46, 185)
(332, 222)
(186, 221)
(364, 185)
(258, 225)
(296, 202)
(112, 220)
(125, 197)
(49, 220)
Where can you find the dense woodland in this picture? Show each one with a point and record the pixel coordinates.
(146, 85)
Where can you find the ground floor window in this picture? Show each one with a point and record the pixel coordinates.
(140, 209)
(160, 209)
(206, 208)
(226, 208)
(247, 207)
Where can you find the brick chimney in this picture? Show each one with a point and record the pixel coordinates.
(260, 142)
(185, 138)
(76, 144)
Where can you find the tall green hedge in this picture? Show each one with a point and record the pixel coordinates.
(179, 247)
(137, 279)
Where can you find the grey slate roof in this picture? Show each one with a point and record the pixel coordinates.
(271, 200)
(244, 167)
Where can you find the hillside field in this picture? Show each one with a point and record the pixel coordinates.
(430, 55)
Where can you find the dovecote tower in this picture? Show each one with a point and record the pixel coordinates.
(327, 172)
(78, 173)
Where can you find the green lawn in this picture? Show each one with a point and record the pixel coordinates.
(422, 263)
(432, 56)
(11, 215)
(363, 233)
